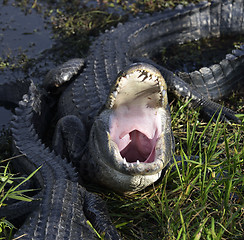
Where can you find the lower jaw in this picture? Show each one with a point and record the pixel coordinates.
(125, 183)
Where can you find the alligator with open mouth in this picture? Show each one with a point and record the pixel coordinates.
(113, 116)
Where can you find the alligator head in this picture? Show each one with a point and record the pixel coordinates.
(131, 140)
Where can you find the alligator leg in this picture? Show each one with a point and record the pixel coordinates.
(63, 74)
(66, 143)
(70, 138)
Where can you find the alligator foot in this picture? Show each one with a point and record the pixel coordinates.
(70, 138)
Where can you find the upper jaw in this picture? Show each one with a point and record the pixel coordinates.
(139, 82)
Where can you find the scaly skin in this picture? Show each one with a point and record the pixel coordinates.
(116, 49)
(82, 103)
(62, 198)
(57, 210)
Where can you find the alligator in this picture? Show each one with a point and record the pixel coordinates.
(113, 117)
(62, 207)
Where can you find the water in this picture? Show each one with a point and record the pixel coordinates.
(26, 36)
(6, 116)
(22, 36)
(22, 31)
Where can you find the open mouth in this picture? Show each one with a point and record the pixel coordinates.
(138, 102)
(131, 139)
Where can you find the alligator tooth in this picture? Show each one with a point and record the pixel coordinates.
(164, 92)
(124, 161)
(115, 93)
(154, 78)
(137, 162)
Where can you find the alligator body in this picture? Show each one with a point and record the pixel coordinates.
(61, 207)
(91, 108)
(87, 99)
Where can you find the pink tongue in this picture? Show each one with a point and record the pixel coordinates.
(140, 148)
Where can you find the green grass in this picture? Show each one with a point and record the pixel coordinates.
(9, 189)
(203, 198)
